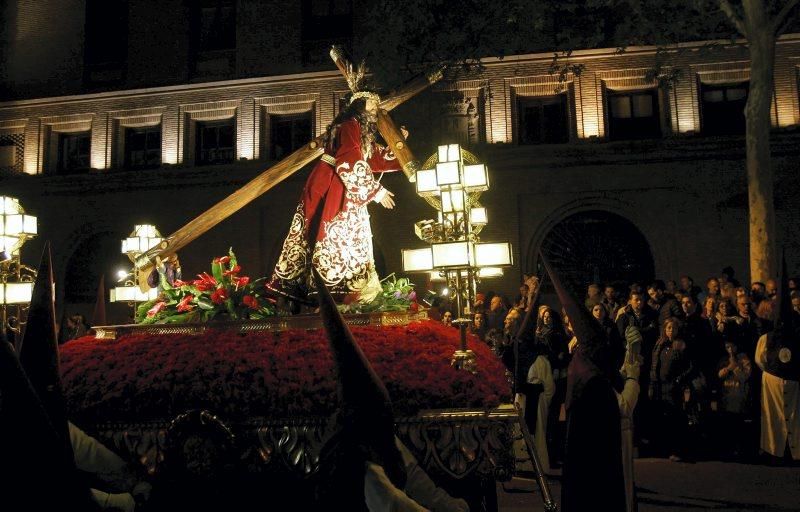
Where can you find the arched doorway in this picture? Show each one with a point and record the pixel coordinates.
(597, 246)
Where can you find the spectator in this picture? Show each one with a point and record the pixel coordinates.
(726, 323)
(535, 402)
(664, 304)
(593, 296)
(728, 291)
(480, 304)
(749, 327)
(610, 301)
(670, 374)
(495, 317)
(447, 318)
(689, 288)
(712, 287)
(550, 333)
(521, 301)
(734, 371)
(615, 342)
(697, 334)
(771, 288)
(758, 292)
(478, 326)
(639, 315)
(671, 287)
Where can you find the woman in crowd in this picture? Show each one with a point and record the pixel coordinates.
(550, 334)
(735, 403)
(612, 333)
(670, 374)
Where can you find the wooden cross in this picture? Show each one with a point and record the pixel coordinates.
(285, 168)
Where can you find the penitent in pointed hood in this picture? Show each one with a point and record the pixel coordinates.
(592, 356)
(38, 351)
(365, 407)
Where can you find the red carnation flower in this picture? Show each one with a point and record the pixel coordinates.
(178, 283)
(155, 309)
(219, 296)
(241, 282)
(222, 260)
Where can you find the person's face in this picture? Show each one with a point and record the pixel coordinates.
(731, 348)
(523, 290)
(636, 302)
(371, 107)
(669, 330)
(598, 312)
(688, 305)
(547, 318)
(478, 320)
(609, 293)
(724, 308)
(671, 286)
(496, 303)
(792, 284)
(713, 286)
(510, 318)
(796, 304)
(654, 294)
(709, 306)
(743, 306)
(447, 317)
(685, 283)
(594, 291)
(772, 288)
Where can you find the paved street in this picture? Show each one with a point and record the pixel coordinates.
(663, 485)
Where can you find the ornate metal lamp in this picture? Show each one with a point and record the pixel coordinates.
(143, 238)
(456, 255)
(16, 279)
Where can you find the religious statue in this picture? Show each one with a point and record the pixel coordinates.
(330, 229)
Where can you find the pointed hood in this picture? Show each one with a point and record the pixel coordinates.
(365, 414)
(784, 322)
(99, 314)
(34, 456)
(592, 357)
(38, 351)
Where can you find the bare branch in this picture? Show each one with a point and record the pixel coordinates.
(778, 25)
(737, 20)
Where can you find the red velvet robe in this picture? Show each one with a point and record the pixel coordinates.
(330, 228)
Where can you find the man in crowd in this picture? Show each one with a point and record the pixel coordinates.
(664, 304)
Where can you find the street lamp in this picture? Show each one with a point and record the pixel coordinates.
(455, 254)
(16, 279)
(143, 238)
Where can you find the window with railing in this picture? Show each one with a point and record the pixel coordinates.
(215, 142)
(143, 147)
(288, 132)
(12, 151)
(74, 151)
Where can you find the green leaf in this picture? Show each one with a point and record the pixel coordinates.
(216, 271)
(205, 303)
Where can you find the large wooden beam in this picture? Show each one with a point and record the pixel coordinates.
(259, 185)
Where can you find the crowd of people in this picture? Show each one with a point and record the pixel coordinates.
(702, 373)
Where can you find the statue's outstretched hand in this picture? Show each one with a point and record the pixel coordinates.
(387, 201)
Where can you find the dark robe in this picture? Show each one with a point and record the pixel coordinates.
(592, 474)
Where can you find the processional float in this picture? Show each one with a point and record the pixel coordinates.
(171, 244)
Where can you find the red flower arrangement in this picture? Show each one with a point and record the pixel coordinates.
(267, 374)
(221, 294)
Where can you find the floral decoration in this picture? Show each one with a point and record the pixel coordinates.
(397, 295)
(223, 294)
(268, 374)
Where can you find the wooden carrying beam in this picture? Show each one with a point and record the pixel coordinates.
(261, 184)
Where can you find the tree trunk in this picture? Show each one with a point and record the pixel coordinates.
(761, 40)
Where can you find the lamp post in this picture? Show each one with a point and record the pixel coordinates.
(455, 253)
(142, 238)
(16, 279)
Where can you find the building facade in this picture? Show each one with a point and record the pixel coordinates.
(616, 175)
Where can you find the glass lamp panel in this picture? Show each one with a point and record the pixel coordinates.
(29, 226)
(437, 277)
(453, 153)
(442, 153)
(13, 225)
(453, 201)
(476, 178)
(493, 254)
(426, 182)
(9, 205)
(125, 293)
(489, 272)
(145, 230)
(477, 216)
(18, 293)
(447, 174)
(9, 244)
(452, 254)
(417, 260)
